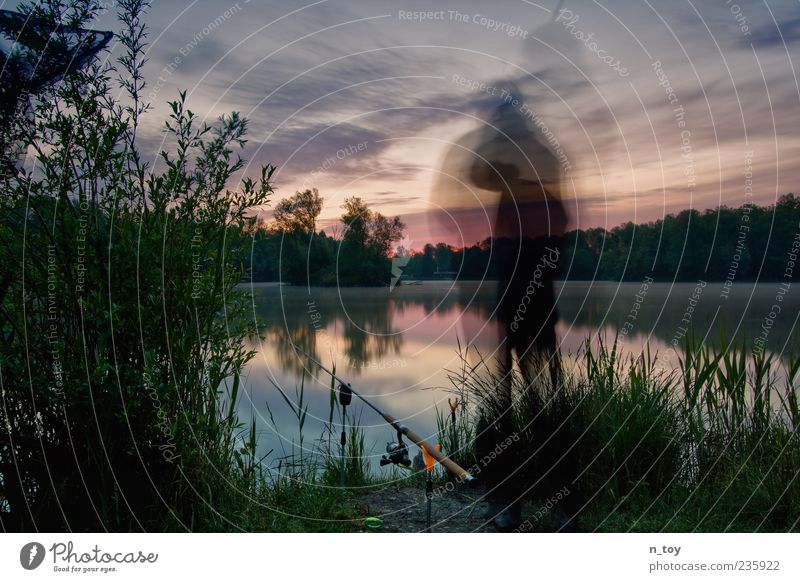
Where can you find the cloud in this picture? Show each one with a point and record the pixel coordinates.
(323, 79)
(772, 36)
(394, 201)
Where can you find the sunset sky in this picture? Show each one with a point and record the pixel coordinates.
(667, 105)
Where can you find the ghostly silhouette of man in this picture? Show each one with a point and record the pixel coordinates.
(528, 223)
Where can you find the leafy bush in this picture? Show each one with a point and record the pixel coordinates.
(120, 316)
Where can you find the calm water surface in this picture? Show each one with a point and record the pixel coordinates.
(397, 347)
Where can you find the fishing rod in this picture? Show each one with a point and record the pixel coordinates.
(397, 453)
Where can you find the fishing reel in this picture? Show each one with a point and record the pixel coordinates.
(396, 453)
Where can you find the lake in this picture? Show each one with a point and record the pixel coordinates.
(396, 347)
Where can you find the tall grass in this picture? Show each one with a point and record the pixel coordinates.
(709, 446)
(456, 429)
(321, 464)
(357, 471)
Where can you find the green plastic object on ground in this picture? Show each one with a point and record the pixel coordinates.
(373, 522)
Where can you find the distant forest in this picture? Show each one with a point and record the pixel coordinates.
(290, 249)
(743, 244)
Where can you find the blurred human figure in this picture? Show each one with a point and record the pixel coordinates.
(528, 222)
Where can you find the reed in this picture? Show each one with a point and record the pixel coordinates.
(709, 446)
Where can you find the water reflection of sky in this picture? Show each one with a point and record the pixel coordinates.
(397, 348)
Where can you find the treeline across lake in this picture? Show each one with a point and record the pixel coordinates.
(748, 243)
(289, 249)
(722, 244)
